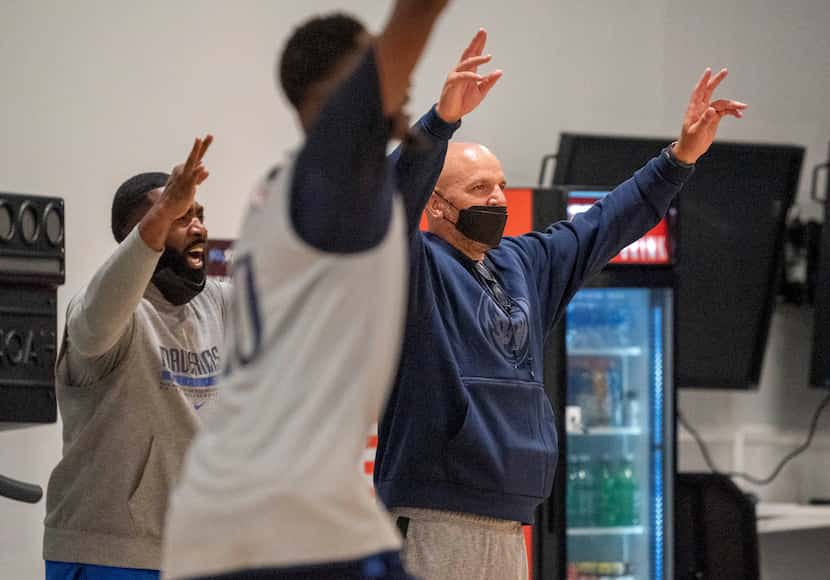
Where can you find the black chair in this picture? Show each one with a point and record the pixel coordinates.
(716, 535)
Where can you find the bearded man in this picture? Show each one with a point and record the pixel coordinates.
(139, 361)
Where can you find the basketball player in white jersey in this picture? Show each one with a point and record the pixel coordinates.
(271, 487)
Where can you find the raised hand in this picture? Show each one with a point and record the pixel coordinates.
(177, 197)
(464, 88)
(700, 125)
(180, 191)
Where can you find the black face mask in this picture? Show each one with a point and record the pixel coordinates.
(178, 282)
(481, 223)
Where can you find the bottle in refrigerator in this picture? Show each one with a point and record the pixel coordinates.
(607, 507)
(571, 572)
(631, 410)
(602, 569)
(581, 391)
(586, 492)
(628, 493)
(603, 402)
(614, 378)
(595, 386)
(572, 491)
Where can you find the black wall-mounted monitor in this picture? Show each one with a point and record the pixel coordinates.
(731, 218)
(820, 363)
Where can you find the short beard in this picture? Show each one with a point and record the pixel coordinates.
(175, 279)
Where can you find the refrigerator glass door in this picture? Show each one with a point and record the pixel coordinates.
(618, 476)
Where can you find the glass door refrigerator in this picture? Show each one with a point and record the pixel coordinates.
(608, 374)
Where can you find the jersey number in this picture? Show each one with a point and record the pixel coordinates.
(247, 319)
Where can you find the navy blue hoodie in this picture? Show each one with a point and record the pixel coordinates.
(468, 426)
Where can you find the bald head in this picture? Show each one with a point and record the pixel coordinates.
(471, 176)
(467, 161)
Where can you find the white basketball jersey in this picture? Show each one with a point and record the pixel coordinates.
(273, 479)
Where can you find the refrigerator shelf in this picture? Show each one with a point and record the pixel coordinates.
(607, 432)
(608, 531)
(607, 351)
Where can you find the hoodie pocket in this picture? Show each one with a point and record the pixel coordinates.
(507, 442)
(148, 502)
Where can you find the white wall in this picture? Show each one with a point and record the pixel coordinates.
(752, 431)
(95, 91)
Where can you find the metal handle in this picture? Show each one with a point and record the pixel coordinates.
(814, 181)
(20, 491)
(547, 160)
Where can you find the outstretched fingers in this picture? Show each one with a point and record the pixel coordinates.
(205, 144)
(713, 83)
(473, 62)
(729, 107)
(700, 87)
(193, 157)
(489, 82)
(476, 45)
(463, 76)
(197, 152)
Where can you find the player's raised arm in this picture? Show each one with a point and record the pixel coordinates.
(399, 47)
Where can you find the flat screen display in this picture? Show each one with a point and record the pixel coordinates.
(730, 229)
(820, 363)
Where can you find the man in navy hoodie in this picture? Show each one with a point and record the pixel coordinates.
(467, 447)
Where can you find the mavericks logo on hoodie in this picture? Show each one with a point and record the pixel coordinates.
(194, 373)
(506, 332)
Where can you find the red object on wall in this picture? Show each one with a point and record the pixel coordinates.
(652, 248)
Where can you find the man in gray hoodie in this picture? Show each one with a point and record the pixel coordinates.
(139, 359)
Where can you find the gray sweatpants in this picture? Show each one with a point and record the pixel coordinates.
(443, 545)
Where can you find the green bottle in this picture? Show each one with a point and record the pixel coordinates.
(572, 492)
(587, 496)
(608, 507)
(628, 493)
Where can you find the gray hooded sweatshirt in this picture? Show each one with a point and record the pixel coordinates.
(133, 376)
